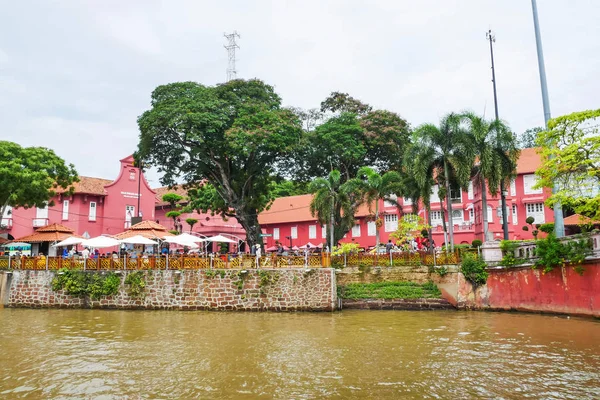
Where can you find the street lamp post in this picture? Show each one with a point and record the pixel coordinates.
(492, 38)
(559, 224)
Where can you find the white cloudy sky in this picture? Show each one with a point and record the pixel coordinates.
(74, 75)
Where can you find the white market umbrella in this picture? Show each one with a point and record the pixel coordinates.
(70, 241)
(16, 244)
(220, 239)
(138, 239)
(100, 242)
(312, 246)
(190, 238)
(181, 241)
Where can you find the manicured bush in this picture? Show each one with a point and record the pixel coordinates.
(474, 270)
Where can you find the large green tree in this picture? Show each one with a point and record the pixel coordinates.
(354, 135)
(373, 187)
(527, 139)
(570, 151)
(228, 136)
(496, 155)
(334, 203)
(445, 152)
(31, 176)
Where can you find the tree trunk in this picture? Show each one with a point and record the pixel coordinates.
(249, 221)
(429, 230)
(449, 205)
(376, 227)
(484, 211)
(331, 228)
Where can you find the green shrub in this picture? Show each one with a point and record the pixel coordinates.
(547, 228)
(136, 282)
(474, 270)
(508, 248)
(389, 290)
(81, 283)
(552, 252)
(441, 271)
(476, 243)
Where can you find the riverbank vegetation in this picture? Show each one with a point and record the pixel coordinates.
(389, 290)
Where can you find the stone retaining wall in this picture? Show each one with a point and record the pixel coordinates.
(280, 290)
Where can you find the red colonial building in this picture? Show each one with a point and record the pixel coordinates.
(290, 217)
(101, 206)
(97, 206)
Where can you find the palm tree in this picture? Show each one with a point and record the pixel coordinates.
(496, 151)
(446, 152)
(333, 204)
(373, 187)
(417, 190)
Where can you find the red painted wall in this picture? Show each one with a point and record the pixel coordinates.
(123, 192)
(559, 291)
(110, 209)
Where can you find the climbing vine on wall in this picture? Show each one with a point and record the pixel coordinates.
(81, 283)
(136, 282)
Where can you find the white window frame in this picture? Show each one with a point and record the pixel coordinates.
(356, 230)
(41, 213)
(93, 211)
(391, 222)
(515, 216)
(65, 210)
(490, 214)
(312, 231)
(294, 232)
(472, 214)
(459, 218)
(436, 218)
(323, 231)
(456, 199)
(513, 188)
(536, 210)
(41, 216)
(529, 181)
(435, 196)
(276, 233)
(470, 191)
(406, 201)
(371, 228)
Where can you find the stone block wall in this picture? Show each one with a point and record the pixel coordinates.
(264, 290)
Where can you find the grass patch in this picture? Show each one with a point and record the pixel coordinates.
(389, 290)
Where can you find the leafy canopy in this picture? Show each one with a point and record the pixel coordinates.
(228, 136)
(570, 151)
(31, 176)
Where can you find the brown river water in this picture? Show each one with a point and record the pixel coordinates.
(96, 354)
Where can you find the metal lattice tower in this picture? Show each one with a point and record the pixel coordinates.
(231, 46)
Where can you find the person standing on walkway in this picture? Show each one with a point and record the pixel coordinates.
(258, 254)
(306, 253)
(389, 246)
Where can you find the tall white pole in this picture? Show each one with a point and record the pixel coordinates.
(559, 225)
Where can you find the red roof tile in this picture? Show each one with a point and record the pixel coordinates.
(577, 219)
(161, 191)
(50, 233)
(295, 209)
(148, 229)
(529, 161)
(89, 185)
